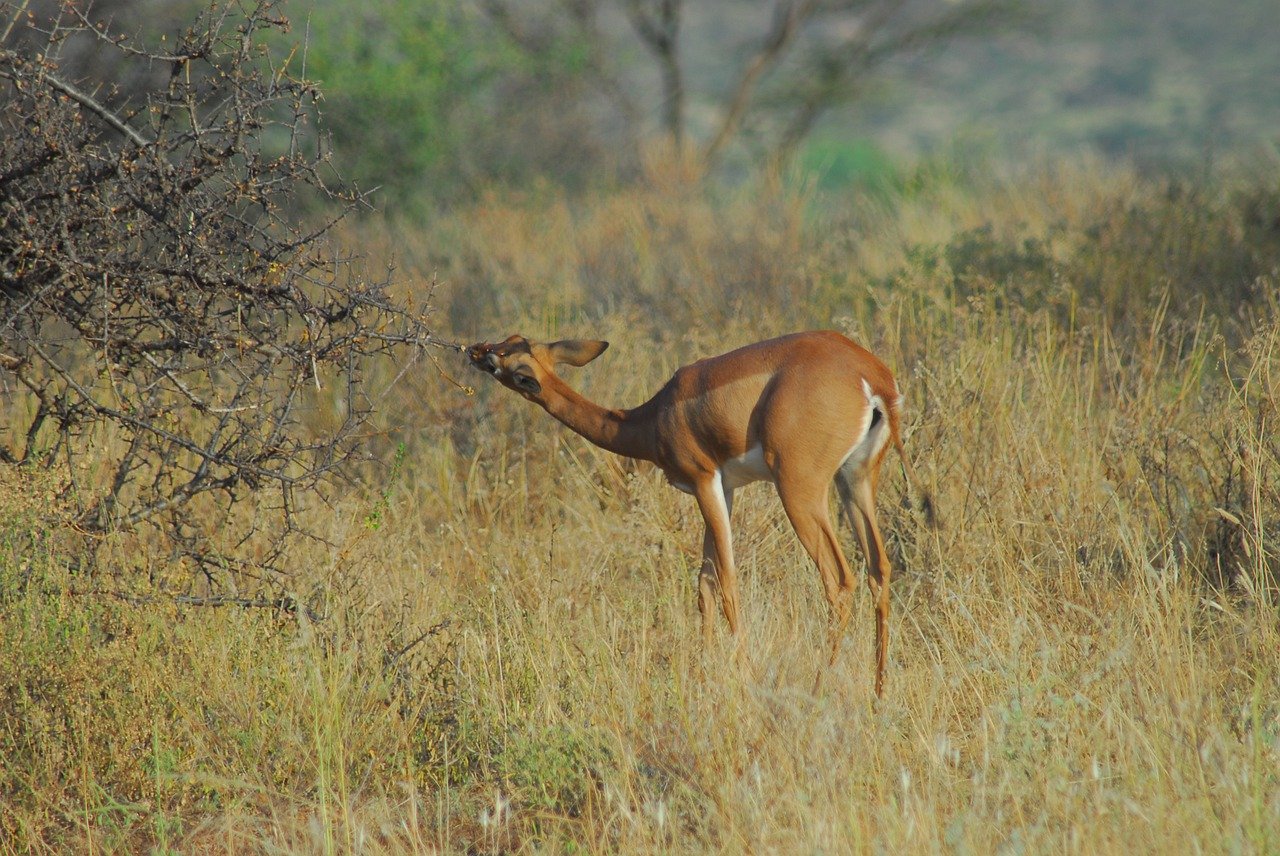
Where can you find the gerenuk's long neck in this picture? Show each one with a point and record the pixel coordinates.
(625, 432)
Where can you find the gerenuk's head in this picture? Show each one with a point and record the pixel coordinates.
(524, 366)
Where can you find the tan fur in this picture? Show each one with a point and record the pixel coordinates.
(800, 399)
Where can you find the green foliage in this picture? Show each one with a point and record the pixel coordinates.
(374, 519)
(426, 101)
(841, 163)
(396, 75)
(552, 769)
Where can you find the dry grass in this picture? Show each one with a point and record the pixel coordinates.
(1084, 656)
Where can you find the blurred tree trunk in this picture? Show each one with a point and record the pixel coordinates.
(660, 31)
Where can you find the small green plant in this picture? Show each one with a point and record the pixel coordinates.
(553, 770)
(374, 519)
(165, 828)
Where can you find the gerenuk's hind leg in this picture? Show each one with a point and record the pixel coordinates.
(806, 508)
(878, 570)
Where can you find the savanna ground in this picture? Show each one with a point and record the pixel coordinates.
(505, 655)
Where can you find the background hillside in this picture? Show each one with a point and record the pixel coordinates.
(1168, 83)
(1175, 82)
(1179, 84)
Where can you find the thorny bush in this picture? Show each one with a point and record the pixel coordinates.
(160, 311)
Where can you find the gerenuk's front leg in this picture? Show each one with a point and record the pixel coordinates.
(714, 505)
(707, 586)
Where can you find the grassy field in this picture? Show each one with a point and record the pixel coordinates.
(507, 656)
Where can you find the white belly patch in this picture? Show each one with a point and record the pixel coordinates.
(679, 485)
(745, 469)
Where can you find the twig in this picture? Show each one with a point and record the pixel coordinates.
(286, 603)
(17, 13)
(76, 95)
(434, 630)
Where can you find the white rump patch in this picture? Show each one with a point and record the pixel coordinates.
(871, 437)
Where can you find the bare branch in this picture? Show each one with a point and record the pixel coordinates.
(121, 43)
(84, 100)
(287, 604)
(582, 15)
(831, 75)
(18, 12)
(788, 15)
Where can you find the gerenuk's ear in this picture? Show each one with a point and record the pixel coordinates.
(576, 352)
